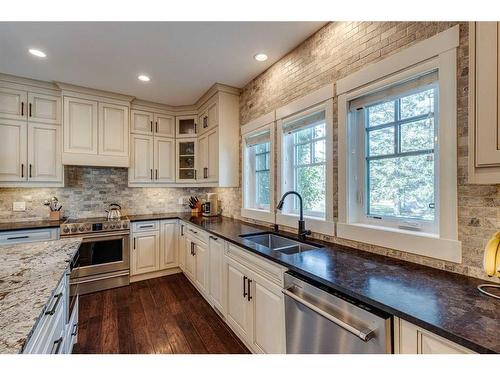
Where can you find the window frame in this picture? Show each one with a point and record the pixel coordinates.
(436, 53)
(264, 123)
(411, 223)
(323, 225)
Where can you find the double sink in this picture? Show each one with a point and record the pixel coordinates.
(277, 243)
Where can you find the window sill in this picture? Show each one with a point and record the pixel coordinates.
(425, 244)
(316, 225)
(255, 214)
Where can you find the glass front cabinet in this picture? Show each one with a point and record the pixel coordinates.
(186, 159)
(186, 126)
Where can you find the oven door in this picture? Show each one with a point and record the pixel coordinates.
(103, 253)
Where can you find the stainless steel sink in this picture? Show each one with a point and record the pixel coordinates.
(275, 242)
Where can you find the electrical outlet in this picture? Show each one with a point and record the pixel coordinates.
(19, 206)
(181, 200)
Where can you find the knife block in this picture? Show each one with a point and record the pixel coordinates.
(55, 215)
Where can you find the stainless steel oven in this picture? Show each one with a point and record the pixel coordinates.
(103, 260)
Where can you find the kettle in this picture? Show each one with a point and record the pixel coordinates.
(114, 212)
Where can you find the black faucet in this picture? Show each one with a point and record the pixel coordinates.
(302, 232)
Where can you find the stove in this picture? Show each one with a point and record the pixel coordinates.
(93, 225)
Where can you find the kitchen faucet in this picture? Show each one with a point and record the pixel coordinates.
(302, 231)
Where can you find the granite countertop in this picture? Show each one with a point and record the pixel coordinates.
(30, 224)
(445, 303)
(29, 275)
(442, 302)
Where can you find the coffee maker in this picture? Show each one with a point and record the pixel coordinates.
(211, 205)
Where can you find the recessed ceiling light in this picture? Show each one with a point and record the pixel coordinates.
(37, 52)
(260, 57)
(143, 78)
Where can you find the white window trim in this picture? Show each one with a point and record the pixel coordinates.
(318, 225)
(438, 52)
(265, 122)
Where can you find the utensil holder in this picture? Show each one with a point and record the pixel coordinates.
(55, 215)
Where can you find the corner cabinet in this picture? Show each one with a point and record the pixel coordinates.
(30, 137)
(484, 103)
(95, 127)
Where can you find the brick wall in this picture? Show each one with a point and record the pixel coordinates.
(341, 48)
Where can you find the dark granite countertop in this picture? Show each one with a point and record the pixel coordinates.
(31, 224)
(442, 302)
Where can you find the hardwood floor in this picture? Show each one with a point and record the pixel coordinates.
(163, 315)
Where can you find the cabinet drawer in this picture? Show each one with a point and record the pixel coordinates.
(196, 233)
(34, 235)
(265, 268)
(142, 226)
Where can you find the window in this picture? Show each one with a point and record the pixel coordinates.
(397, 162)
(258, 181)
(304, 167)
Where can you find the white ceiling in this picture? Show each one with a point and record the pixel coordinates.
(183, 59)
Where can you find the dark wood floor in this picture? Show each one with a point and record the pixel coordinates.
(163, 315)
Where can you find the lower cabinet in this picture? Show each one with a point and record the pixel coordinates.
(168, 244)
(201, 266)
(411, 339)
(216, 273)
(181, 246)
(145, 253)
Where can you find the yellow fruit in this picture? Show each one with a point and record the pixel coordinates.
(490, 255)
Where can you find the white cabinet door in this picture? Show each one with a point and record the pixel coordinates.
(44, 152)
(202, 153)
(268, 316)
(80, 126)
(213, 116)
(239, 310)
(141, 122)
(186, 151)
(141, 164)
(44, 108)
(164, 163)
(168, 244)
(216, 273)
(113, 130)
(212, 156)
(201, 267)
(13, 104)
(164, 125)
(182, 246)
(189, 258)
(13, 146)
(145, 253)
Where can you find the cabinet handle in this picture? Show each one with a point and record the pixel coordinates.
(75, 330)
(195, 128)
(18, 238)
(244, 286)
(22, 170)
(56, 346)
(156, 173)
(156, 123)
(53, 309)
(22, 108)
(30, 170)
(146, 226)
(205, 122)
(151, 126)
(249, 296)
(134, 243)
(195, 174)
(213, 238)
(30, 109)
(182, 230)
(205, 172)
(151, 173)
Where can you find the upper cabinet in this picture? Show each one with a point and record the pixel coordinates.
(30, 135)
(186, 126)
(484, 103)
(152, 123)
(95, 127)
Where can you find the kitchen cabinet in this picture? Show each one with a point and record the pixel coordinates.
(13, 103)
(44, 153)
(189, 263)
(164, 125)
(208, 149)
(96, 127)
(164, 160)
(113, 130)
(186, 159)
(142, 159)
(13, 150)
(186, 126)
(484, 103)
(44, 108)
(168, 244)
(216, 273)
(201, 266)
(150, 123)
(182, 246)
(145, 253)
(209, 117)
(28, 235)
(411, 339)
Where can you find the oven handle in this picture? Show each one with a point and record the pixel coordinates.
(101, 235)
(363, 334)
(124, 273)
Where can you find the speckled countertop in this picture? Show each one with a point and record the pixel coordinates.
(29, 274)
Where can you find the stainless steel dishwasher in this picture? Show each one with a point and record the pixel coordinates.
(324, 321)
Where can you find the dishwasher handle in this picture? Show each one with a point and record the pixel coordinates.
(363, 334)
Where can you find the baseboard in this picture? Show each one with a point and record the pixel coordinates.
(152, 275)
